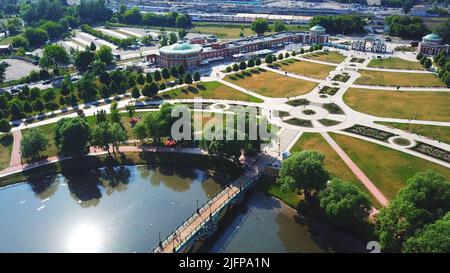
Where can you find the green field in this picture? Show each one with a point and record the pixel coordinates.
(304, 68)
(232, 30)
(271, 84)
(395, 63)
(371, 77)
(439, 133)
(333, 163)
(395, 104)
(326, 56)
(387, 168)
(6, 143)
(208, 90)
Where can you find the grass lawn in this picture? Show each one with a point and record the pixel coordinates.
(389, 176)
(8, 39)
(395, 63)
(440, 133)
(370, 77)
(49, 131)
(333, 163)
(304, 68)
(395, 104)
(6, 143)
(327, 56)
(208, 90)
(232, 30)
(271, 84)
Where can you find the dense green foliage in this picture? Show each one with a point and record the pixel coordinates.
(425, 200)
(340, 24)
(33, 142)
(408, 27)
(72, 136)
(260, 25)
(126, 42)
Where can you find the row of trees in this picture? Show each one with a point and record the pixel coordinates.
(261, 25)
(424, 61)
(134, 16)
(416, 220)
(442, 61)
(126, 42)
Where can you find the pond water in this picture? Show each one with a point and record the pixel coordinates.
(124, 209)
(107, 210)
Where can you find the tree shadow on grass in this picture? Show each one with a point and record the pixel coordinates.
(6, 140)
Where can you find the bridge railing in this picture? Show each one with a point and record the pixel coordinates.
(208, 205)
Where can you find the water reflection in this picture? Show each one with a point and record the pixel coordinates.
(85, 238)
(44, 187)
(120, 209)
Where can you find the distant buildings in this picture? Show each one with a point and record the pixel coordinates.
(375, 44)
(195, 53)
(432, 45)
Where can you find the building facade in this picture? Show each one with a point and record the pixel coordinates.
(201, 52)
(370, 43)
(432, 45)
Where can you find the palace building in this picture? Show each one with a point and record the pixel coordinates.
(432, 45)
(200, 52)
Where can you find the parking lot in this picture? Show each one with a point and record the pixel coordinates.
(18, 69)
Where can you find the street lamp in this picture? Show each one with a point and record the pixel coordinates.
(160, 242)
(198, 210)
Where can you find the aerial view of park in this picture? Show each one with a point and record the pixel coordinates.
(185, 127)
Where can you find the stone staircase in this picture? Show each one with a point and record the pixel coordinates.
(283, 142)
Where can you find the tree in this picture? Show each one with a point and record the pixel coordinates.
(54, 56)
(38, 105)
(173, 38)
(104, 54)
(269, 59)
(72, 136)
(33, 142)
(108, 134)
(423, 59)
(259, 26)
(5, 127)
(100, 116)
(182, 33)
(434, 238)
(140, 79)
(183, 21)
(427, 63)
(188, 79)
(130, 110)
(54, 29)
(20, 42)
(140, 131)
(114, 113)
(345, 204)
(279, 26)
(150, 90)
(423, 201)
(307, 169)
(280, 56)
(235, 67)
(165, 74)
(3, 67)
(258, 61)
(407, 27)
(242, 65)
(174, 71)
(197, 76)
(83, 59)
(105, 78)
(229, 69)
(148, 78)
(181, 70)
(132, 16)
(36, 36)
(419, 56)
(340, 24)
(444, 31)
(13, 25)
(15, 109)
(157, 76)
(251, 63)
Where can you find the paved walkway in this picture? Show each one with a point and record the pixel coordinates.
(15, 153)
(356, 170)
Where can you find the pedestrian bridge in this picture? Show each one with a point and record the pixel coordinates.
(202, 223)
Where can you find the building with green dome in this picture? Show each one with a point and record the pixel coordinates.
(201, 52)
(432, 45)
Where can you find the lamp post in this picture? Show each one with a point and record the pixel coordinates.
(198, 210)
(160, 242)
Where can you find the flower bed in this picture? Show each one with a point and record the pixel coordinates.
(432, 151)
(299, 122)
(298, 102)
(370, 132)
(333, 108)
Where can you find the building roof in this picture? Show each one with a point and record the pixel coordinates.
(181, 48)
(432, 37)
(317, 28)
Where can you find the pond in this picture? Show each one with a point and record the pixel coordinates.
(123, 209)
(105, 210)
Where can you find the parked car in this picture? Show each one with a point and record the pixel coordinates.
(74, 78)
(14, 90)
(388, 39)
(47, 82)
